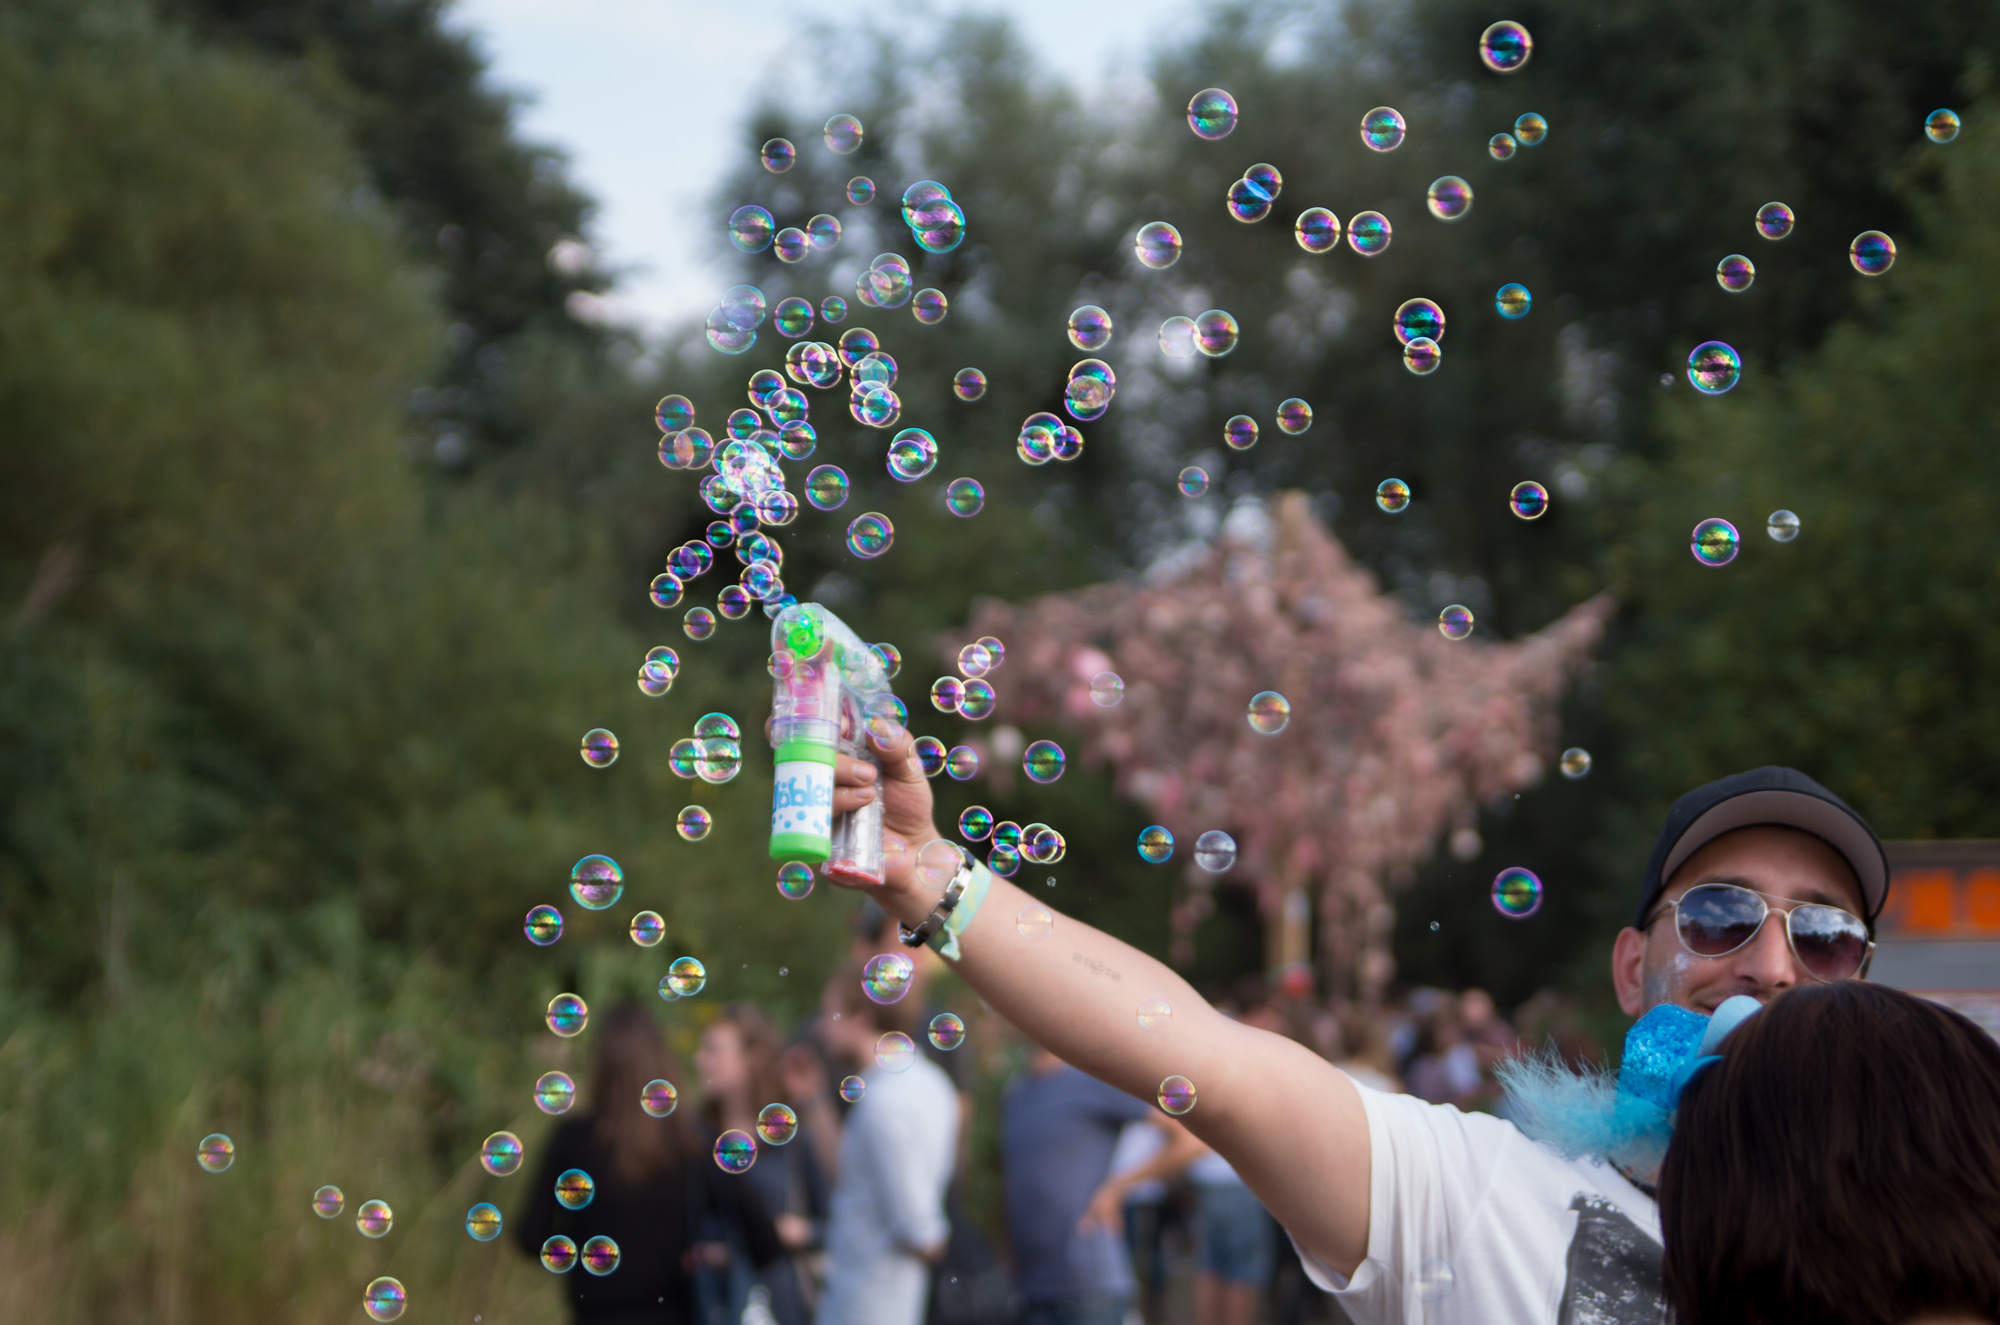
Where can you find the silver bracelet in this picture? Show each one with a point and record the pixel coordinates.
(953, 891)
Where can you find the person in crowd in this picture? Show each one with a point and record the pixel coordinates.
(1836, 1160)
(1758, 883)
(1143, 1210)
(1363, 1052)
(1445, 1068)
(739, 1065)
(888, 1223)
(1058, 1129)
(656, 1190)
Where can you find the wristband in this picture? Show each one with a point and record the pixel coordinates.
(941, 913)
(945, 941)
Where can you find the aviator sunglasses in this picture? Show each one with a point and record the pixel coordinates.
(1715, 919)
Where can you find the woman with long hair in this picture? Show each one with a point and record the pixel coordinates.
(1836, 1161)
(744, 1069)
(656, 1190)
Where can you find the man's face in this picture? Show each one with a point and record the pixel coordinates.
(1785, 866)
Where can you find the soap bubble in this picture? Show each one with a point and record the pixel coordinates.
(1090, 328)
(559, 1255)
(963, 761)
(1042, 844)
(947, 1031)
(824, 232)
(861, 190)
(659, 1098)
(964, 497)
(1294, 416)
(567, 1015)
(1502, 146)
(857, 343)
(792, 317)
(975, 823)
(1269, 712)
(994, 650)
(699, 623)
(1193, 481)
(1154, 1013)
(1872, 253)
(600, 1255)
(895, 1052)
(870, 535)
(1713, 367)
(930, 755)
(1735, 273)
(750, 229)
(852, 1089)
(968, 384)
(687, 976)
(1215, 333)
(1422, 356)
(674, 413)
(1432, 1280)
(1455, 622)
(1531, 129)
(795, 881)
(735, 1151)
(600, 748)
(886, 977)
(1513, 301)
(1505, 47)
(1449, 199)
(555, 1092)
(328, 1202)
(843, 134)
(1941, 126)
(777, 1124)
(977, 700)
(929, 306)
(1317, 230)
(1382, 129)
(733, 602)
(1240, 433)
(1157, 245)
(791, 244)
(1247, 202)
(1418, 317)
(1714, 542)
(384, 1299)
(1177, 337)
(501, 1154)
(1156, 845)
(483, 1222)
(778, 155)
(1034, 922)
(946, 694)
(693, 823)
(1177, 1095)
(974, 660)
(1369, 233)
(1036, 445)
(1043, 762)
(665, 590)
(831, 309)
(1782, 526)
(1211, 113)
(912, 454)
(1007, 833)
(1774, 220)
(647, 929)
(826, 487)
(1517, 893)
(1107, 690)
(1392, 495)
(596, 882)
(215, 1153)
(1575, 762)
(1215, 851)
(1528, 500)
(374, 1219)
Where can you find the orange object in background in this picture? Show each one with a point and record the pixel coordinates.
(1940, 934)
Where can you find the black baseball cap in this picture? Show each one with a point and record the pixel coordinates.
(1770, 795)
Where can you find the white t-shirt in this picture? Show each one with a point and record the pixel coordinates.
(1471, 1223)
(895, 1158)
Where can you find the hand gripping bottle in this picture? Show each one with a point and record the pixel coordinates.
(828, 684)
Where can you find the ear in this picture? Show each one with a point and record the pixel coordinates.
(1628, 970)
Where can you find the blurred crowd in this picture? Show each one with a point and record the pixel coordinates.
(1109, 1212)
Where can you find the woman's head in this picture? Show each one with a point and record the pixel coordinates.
(1840, 1166)
(738, 1059)
(630, 1053)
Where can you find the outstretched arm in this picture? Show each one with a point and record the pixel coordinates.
(1290, 1122)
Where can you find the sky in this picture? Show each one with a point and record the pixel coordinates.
(648, 96)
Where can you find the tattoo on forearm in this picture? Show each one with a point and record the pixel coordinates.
(1094, 966)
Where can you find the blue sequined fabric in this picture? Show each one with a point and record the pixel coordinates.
(1658, 1043)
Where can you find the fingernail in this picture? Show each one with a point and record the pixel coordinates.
(864, 793)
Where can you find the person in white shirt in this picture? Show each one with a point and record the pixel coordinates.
(1407, 1211)
(887, 1224)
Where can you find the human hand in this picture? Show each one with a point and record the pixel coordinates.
(795, 1232)
(906, 814)
(1106, 1209)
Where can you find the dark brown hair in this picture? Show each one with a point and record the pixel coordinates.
(761, 1047)
(630, 1053)
(1840, 1166)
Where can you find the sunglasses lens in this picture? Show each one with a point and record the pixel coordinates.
(1715, 920)
(1830, 942)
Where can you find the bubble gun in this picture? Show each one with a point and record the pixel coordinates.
(828, 684)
